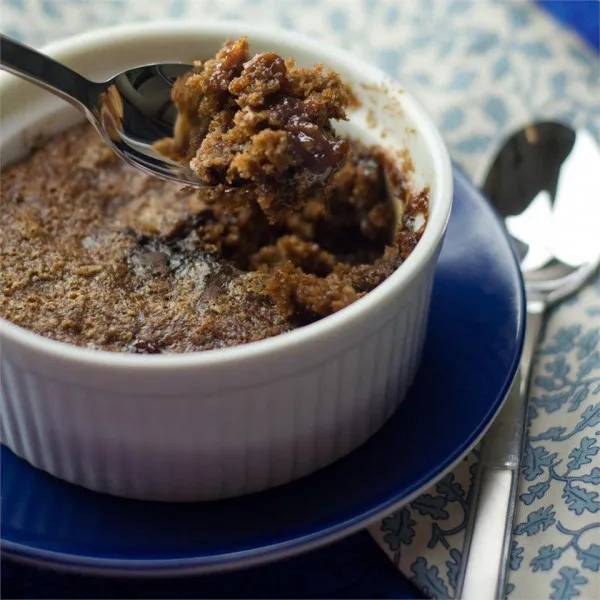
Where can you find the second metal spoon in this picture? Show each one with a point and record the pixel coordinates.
(545, 182)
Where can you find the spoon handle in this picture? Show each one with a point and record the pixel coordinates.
(486, 549)
(49, 74)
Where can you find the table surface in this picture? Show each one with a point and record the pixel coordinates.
(510, 64)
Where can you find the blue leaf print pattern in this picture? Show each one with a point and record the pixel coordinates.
(558, 84)
(579, 499)
(590, 557)
(579, 56)
(532, 413)
(535, 492)
(558, 367)
(453, 567)
(10, 32)
(565, 588)
(534, 461)
(578, 398)
(51, 10)
(463, 80)
(392, 15)
(516, 555)
(587, 343)
(537, 50)
(389, 61)
(591, 363)
(590, 416)
(495, 109)
(564, 340)
(519, 16)
(548, 383)
(537, 521)
(553, 433)
(431, 505)
(338, 20)
(16, 4)
(449, 488)
(177, 8)
(549, 402)
(501, 68)
(592, 477)
(420, 78)
(582, 455)
(421, 42)
(398, 529)
(452, 119)
(483, 42)
(428, 579)
(458, 7)
(545, 558)
(474, 144)
(445, 47)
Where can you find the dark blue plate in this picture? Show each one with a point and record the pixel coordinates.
(472, 350)
(354, 567)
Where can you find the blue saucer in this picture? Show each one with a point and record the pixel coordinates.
(472, 350)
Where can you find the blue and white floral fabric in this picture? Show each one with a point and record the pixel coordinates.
(556, 541)
(481, 67)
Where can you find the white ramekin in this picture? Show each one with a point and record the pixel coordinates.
(226, 422)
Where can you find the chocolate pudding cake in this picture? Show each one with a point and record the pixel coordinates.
(260, 120)
(300, 222)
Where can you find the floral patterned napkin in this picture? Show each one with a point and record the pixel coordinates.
(556, 541)
(481, 67)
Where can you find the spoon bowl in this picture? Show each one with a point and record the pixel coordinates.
(545, 183)
(131, 111)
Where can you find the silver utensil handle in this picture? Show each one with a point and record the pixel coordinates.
(536, 311)
(42, 70)
(486, 551)
(491, 527)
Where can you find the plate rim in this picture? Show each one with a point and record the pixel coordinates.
(174, 567)
(156, 568)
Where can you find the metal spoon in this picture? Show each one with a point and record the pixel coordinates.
(545, 181)
(131, 111)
